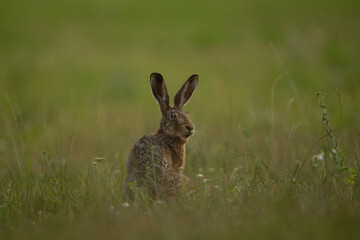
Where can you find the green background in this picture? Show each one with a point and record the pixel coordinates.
(74, 85)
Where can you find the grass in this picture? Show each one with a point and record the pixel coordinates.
(270, 158)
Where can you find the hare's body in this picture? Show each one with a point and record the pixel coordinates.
(155, 161)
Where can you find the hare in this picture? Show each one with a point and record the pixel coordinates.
(156, 160)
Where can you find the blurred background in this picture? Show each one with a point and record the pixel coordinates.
(75, 96)
(74, 75)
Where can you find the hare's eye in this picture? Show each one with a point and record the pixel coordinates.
(172, 115)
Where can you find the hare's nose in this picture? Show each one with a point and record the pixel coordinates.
(190, 128)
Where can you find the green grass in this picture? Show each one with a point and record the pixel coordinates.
(74, 86)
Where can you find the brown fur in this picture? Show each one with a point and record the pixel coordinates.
(155, 160)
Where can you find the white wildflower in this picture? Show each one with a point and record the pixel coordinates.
(317, 159)
(97, 160)
(199, 175)
(319, 156)
(125, 204)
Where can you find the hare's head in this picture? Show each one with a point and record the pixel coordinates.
(174, 122)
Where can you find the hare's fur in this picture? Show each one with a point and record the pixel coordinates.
(156, 160)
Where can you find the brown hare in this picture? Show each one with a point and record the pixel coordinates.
(156, 160)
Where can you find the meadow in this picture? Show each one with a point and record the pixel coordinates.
(276, 153)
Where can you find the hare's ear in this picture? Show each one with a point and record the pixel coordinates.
(186, 91)
(159, 91)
